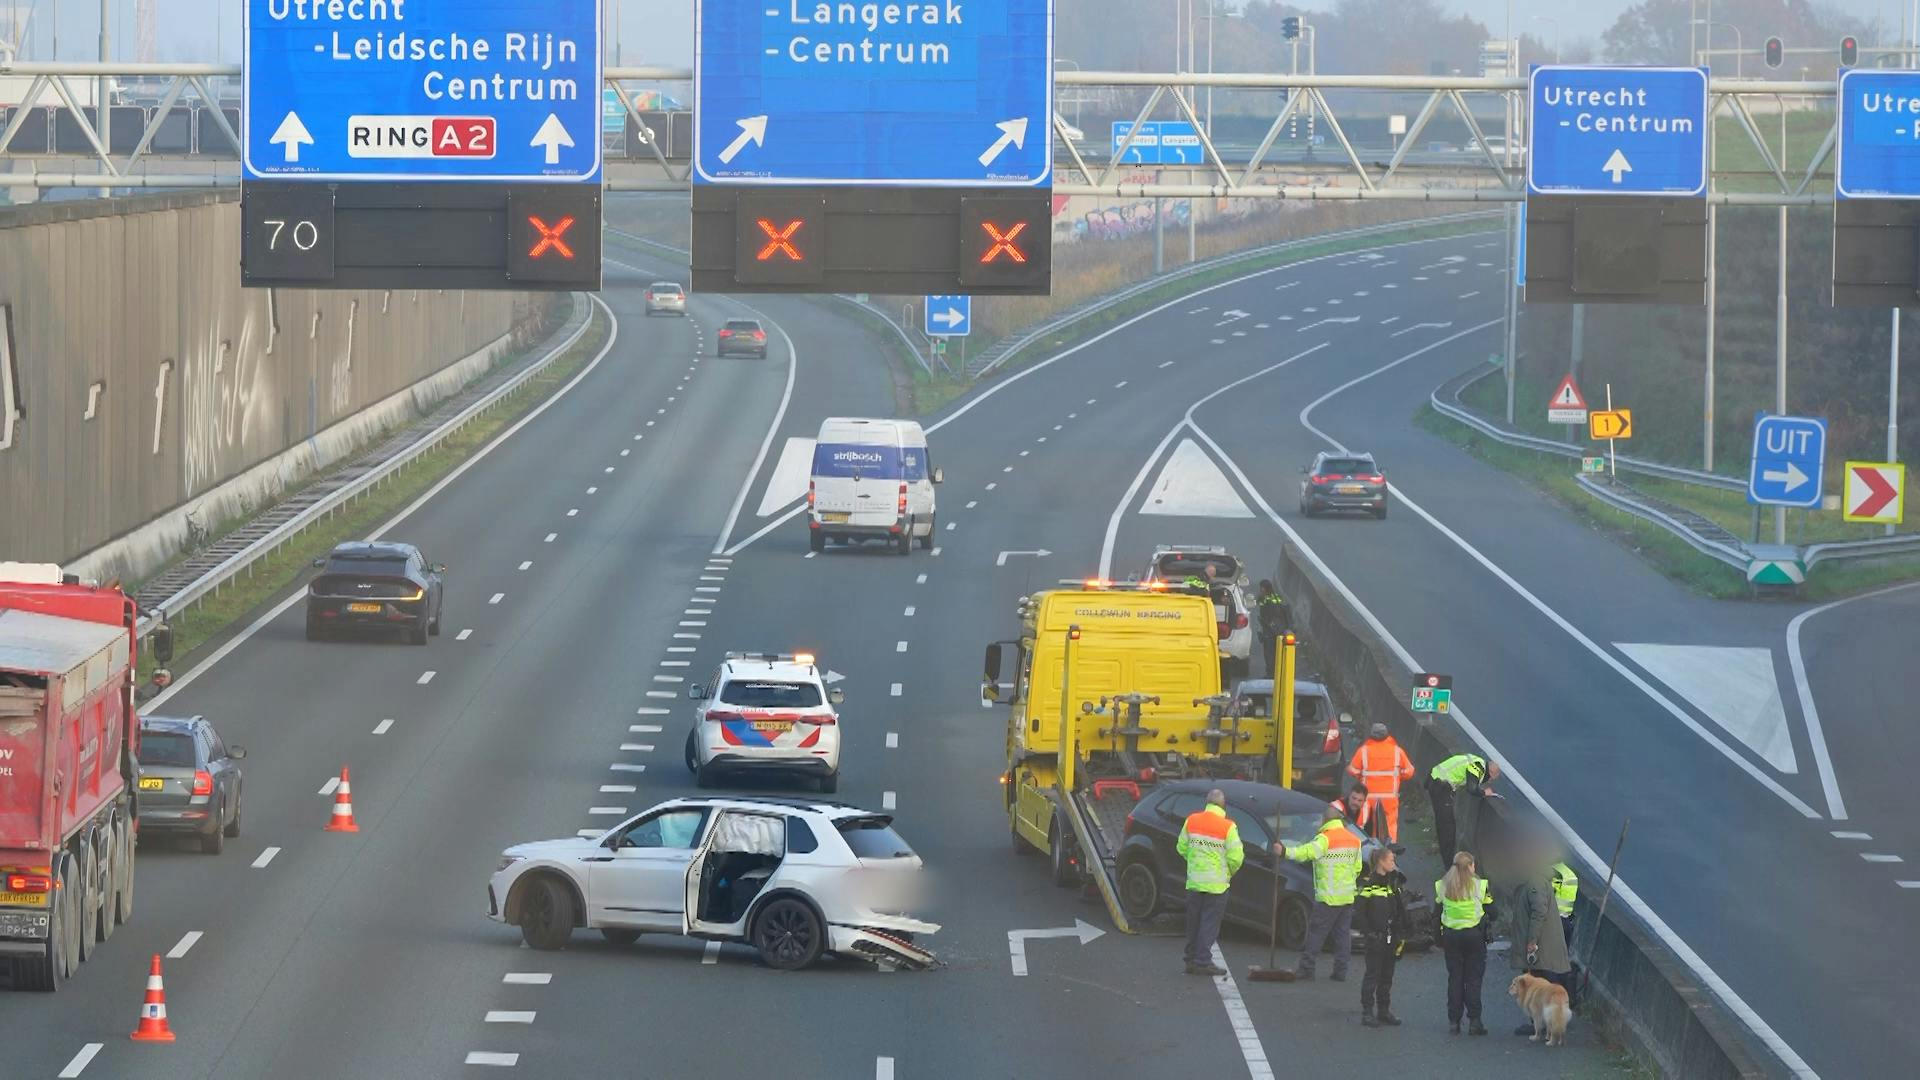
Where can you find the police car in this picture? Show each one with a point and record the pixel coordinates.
(765, 713)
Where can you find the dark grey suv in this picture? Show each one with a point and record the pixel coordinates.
(1343, 482)
(189, 782)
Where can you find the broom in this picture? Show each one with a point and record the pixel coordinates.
(1271, 973)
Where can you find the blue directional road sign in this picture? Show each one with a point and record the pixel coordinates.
(1159, 142)
(436, 90)
(1789, 459)
(949, 316)
(1879, 149)
(931, 93)
(1617, 131)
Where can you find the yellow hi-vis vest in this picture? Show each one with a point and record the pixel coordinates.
(1210, 842)
(1566, 888)
(1335, 853)
(1461, 914)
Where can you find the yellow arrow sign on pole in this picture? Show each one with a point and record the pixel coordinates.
(1610, 424)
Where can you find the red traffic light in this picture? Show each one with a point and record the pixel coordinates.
(550, 237)
(1849, 51)
(1776, 52)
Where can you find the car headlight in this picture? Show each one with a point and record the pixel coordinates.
(506, 861)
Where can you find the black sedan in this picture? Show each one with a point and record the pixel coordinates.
(365, 586)
(1343, 482)
(743, 336)
(1152, 875)
(190, 781)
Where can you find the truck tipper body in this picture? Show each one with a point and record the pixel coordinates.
(68, 741)
(1111, 690)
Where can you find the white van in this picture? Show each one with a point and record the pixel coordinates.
(872, 480)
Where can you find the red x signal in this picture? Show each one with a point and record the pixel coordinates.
(550, 237)
(1003, 241)
(779, 240)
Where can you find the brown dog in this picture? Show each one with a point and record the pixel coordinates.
(1546, 1003)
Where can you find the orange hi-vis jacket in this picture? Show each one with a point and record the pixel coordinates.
(1382, 766)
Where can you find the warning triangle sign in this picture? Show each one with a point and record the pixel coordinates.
(1568, 396)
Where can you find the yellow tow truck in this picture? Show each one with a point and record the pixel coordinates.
(1112, 689)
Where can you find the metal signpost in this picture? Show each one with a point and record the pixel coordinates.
(948, 316)
(1617, 131)
(1789, 458)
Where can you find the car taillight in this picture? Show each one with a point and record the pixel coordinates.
(903, 501)
(649, 294)
(1127, 829)
(1376, 478)
(203, 783)
(1331, 744)
(38, 879)
(809, 493)
(726, 333)
(1323, 479)
(1240, 621)
(759, 335)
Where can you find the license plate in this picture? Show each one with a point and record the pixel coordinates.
(32, 899)
(364, 609)
(835, 516)
(1352, 489)
(775, 726)
(152, 783)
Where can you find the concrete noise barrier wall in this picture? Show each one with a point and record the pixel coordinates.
(1655, 1001)
(137, 376)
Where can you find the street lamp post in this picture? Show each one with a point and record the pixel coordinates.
(1739, 44)
(1057, 61)
(1211, 18)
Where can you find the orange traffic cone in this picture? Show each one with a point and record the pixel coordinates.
(153, 1012)
(342, 820)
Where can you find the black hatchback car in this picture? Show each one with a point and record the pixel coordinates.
(1321, 733)
(743, 336)
(1343, 482)
(366, 585)
(1152, 875)
(190, 781)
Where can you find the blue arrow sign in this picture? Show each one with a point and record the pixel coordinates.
(1617, 131)
(1145, 147)
(1160, 142)
(940, 93)
(1789, 460)
(949, 316)
(1879, 148)
(439, 90)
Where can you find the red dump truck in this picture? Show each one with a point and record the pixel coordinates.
(68, 738)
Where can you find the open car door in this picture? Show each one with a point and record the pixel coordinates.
(740, 853)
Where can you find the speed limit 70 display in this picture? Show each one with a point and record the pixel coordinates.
(287, 234)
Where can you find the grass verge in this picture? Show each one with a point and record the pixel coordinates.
(219, 612)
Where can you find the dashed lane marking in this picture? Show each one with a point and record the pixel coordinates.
(935, 552)
(621, 766)
(1842, 834)
(1121, 385)
(899, 646)
(662, 694)
(527, 563)
(265, 858)
(1908, 884)
(713, 577)
(683, 648)
(489, 1057)
(328, 788)
(1249, 1037)
(606, 811)
(669, 678)
(908, 612)
(893, 740)
(1024, 453)
(676, 663)
(973, 503)
(575, 512)
(383, 726)
(1469, 295)
(617, 789)
(1008, 469)
(643, 729)
(593, 491)
(711, 954)
(551, 537)
(809, 554)
(887, 800)
(609, 468)
(992, 485)
(637, 747)
(921, 580)
(187, 942)
(894, 691)
(80, 1060)
(464, 634)
(882, 1068)
(1218, 341)
(690, 622)
(527, 978)
(496, 598)
(425, 678)
(1881, 858)
(701, 610)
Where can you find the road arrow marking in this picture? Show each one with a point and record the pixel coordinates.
(553, 135)
(1422, 326)
(1002, 560)
(1234, 315)
(1011, 131)
(831, 677)
(1323, 322)
(1616, 165)
(289, 135)
(949, 318)
(752, 130)
(1789, 478)
(1017, 940)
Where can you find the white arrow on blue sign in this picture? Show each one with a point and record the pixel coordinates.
(943, 93)
(1617, 131)
(949, 316)
(426, 90)
(1789, 460)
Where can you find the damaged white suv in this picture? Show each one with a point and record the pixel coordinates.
(793, 878)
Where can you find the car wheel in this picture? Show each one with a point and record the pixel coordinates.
(1061, 867)
(1139, 889)
(546, 914)
(417, 635)
(816, 541)
(926, 542)
(233, 828)
(70, 923)
(89, 921)
(434, 626)
(123, 894)
(1381, 513)
(1307, 510)
(830, 783)
(904, 545)
(215, 842)
(788, 935)
(693, 752)
(619, 935)
(1293, 922)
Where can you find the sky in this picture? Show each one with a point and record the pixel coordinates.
(660, 31)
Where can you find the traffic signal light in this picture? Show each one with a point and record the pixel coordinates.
(553, 235)
(1006, 242)
(780, 239)
(1290, 27)
(1849, 52)
(1776, 52)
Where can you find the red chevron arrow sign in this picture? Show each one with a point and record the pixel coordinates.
(1876, 492)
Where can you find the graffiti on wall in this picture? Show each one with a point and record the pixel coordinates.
(226, 385)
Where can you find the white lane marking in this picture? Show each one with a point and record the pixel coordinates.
(1810, 713)
(894, 690)
(637, 438)
(950, 525)
(893, 740)
(617, 789)
(80, 1060)
(683, 648)
(526, 564)
(921, 580)
(1908, 884)
(191, 939)
(1121, 385)
(788, 480)
(501, 1016)
(1575, 841)
(899, 646)
(1218, 341)
(1881, 858)
(882, 1068)
(1164, 364)
(527, 978)
(668, 678)
(993, 485)
(575, 512)
(1284, 288)
(696, 611)
(1198, 310)
(971, 503)
(593, 491)
(704, 589)
(489, 1057)
(265, 858)
(1539, 605)
(1841, 834)
(711, 955)
(909, 612)
(496, 598)
(1092, 400)
(676, 663)
(887, 800)
(1190, 484)
(609, 468)
(644, 729)
(650, 423)
(1389, 320)
(1735, 686)
(621, 766)
(662, 694)
(935, 552)
(606, 811)
(550, 538)
(773, 429)
(1024, 453)
(425, 678)
(648, 710)
(1469, 295)
(720, 558)
(184, 679)
(637, 748)
(463, 634)
(383, 726)
(1251, 1049)
(332, 784)
(809, 554)
(1008, 469)
(694, 622)
(1057, 427)
(713, 577)
(590, 832)
(625, 451)
(1133, 489)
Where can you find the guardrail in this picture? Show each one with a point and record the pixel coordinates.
(243, 560)
(1008, 348)
(1733, 553)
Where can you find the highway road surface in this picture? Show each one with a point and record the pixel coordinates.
(606, 554)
